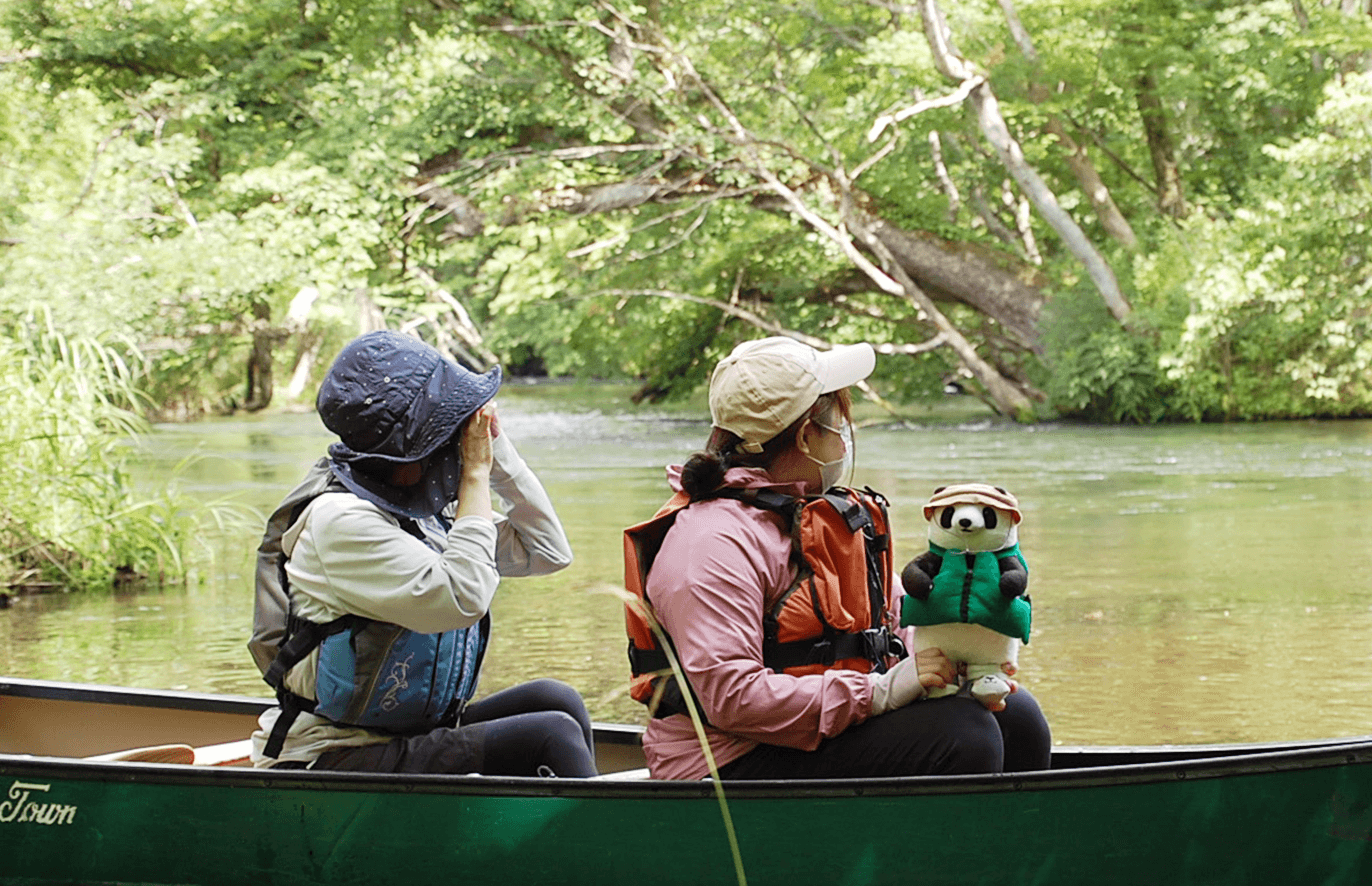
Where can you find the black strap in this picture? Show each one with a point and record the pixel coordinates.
(646, 661)
(302, 636)
(766, 499)
(876, 547)
(851, 510)
(670, 700)
(673, 700)
(873, 645)
(291, 706)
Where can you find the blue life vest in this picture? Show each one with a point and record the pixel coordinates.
(382, 676)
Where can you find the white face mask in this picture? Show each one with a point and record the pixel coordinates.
(832, 472)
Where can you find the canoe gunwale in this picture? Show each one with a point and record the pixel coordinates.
(1205, 768)
(122, 695)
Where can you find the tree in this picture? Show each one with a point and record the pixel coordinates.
(608, 190)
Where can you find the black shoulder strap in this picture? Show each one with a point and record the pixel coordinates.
(302, 637)
(851, 510)
(766, 499)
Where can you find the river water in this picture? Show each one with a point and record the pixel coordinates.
(1191, 584)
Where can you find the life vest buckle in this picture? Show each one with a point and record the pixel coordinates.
(880, 644)
(852, 511)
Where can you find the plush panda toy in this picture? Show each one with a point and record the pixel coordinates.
(967, 594)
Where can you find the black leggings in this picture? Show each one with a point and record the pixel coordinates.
(946, 736)
(535, 728)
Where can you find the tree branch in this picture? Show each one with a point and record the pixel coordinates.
(957, 97)
(760, 322)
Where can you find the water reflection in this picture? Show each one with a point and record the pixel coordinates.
(1191, 584)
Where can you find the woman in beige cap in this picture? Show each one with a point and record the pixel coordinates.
(716, 561)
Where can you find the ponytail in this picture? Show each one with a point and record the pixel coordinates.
(704, 472)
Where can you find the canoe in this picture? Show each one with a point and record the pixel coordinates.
(101, 784)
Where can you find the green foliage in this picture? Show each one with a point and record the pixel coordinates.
(1280, 320)
(1100, 371)
(70, 516)
(1265, 314)
(179, 173)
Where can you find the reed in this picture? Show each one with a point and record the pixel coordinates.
(697, 722)
(71, 517)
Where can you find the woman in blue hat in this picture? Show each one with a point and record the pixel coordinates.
(376, 577)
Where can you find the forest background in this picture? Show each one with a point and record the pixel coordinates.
(1111, 211)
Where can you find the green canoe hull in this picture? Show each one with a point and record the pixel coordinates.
(1301, 821)
(1298, 814)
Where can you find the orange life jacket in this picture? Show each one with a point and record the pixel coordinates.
(836, 614)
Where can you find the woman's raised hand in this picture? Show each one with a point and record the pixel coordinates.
(474, 443)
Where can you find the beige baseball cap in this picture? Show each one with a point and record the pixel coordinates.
(764, 385)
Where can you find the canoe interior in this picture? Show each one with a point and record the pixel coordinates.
(77, 722)
(54, 719)
(51, 719)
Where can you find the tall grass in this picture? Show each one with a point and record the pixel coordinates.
(70, 517)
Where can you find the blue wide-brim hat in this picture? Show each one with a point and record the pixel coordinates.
(391, 399)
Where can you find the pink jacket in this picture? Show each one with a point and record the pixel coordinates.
(721, 565)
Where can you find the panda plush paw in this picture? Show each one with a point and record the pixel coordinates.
(991, 690)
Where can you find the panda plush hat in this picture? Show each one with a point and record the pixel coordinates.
(949, 500)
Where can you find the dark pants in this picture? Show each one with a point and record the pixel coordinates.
(536, 728)
(945, 736)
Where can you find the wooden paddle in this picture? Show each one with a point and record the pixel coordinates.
(161, 753)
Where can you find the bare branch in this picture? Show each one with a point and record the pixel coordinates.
(22, 55)
(470, 338)
(988, 216)
(762, 323)
(950, 187)
(467, 220)
(1006, 398)
(762, 171)
(94, 167)
(181, 204)
(513, 157)
(957, 97)
(1018, 32)
(701, 213)
(1019, 208)
(873, 160)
